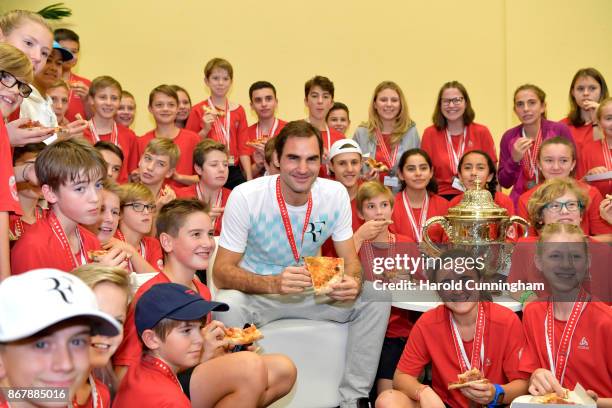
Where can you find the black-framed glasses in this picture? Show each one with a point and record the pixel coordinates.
(557, 206)
(140, 207)
(455, 101)
(10, 81)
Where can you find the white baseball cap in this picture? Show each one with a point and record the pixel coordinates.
(344, 146)
(38, 299)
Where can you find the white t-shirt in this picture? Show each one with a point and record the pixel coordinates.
(35, 107)
(252, 223)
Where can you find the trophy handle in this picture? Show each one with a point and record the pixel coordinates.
(515, 219)
(427, 241)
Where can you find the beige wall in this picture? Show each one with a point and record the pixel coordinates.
(490, 45)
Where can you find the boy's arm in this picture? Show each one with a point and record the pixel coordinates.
(245, 163)
(228, 275)
(5, 263)
(185, 179)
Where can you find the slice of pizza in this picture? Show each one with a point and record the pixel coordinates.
(97, 255)
(324, 271)
(376, 165)
(473, 376)
(31, 124)
(216, 111)
(238, 337)
(553, 398)
(255, 142)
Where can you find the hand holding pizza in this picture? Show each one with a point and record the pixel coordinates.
(20, 136)
(346, 289)
(216, 212)
(519, 148)
(207, 122)
(481, 393)
(115, 257)
(215, 344)
(293, 279)
(544, 382)
(80, 89)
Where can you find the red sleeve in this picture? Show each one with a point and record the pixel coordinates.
(132, 159)
(597, 225)
(155, 254)
(529, 361)
(513, 350)
(522, 211)
(487, 142)
(129, 350)
(9, 200)
(416, 354)
(243, 138)
(194, 122)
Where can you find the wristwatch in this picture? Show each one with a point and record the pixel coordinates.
(498, 397)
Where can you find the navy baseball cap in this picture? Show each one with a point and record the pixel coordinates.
(172, 301)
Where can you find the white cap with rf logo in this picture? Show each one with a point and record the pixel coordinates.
(41, 298)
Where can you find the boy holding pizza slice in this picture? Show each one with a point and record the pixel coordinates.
(251, 141)
(467, 339)
(284, 219)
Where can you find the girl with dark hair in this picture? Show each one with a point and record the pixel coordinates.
(453, 133)
(479, 165)
(418, 199)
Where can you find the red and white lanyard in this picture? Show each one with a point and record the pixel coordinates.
(259, 133)
(19, 227)
(287, 222)
(59, 233)
(417, 228)
(477, 347)
(142, 250)
(559, 364)
(162, 367)
(531, 156)
(222, 129)
(454, 156)
(606, 153)
(380, 142)
(218, 200)
(114, 137)
(96, 397)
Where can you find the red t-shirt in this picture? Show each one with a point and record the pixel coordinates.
(130, 350)
(434, 143)
(591, 156)
(191, 192)
(401, 222)
(150, 383)
(9, 200)
(127, 142)
(592, 223)
(75, 103)
(186, 140)
(238, 123)
(328, 246)
(103, 395)
(590, 360)
(431, 340)
(250, 133)
(17, 226)
(39, 247)
(583, 135)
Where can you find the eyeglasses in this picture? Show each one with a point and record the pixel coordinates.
(557, 206)
(10, 81)
(139, 207)
(455, 101)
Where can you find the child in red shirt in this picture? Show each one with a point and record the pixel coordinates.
(184, 106)
(468, 331)
(156, 165)
(163, 105)
(218, 118)
(48, 344)
(587, 90)
(568, 334)
(596, 157)
(185, 232)
(111, 287)
(319, 98)
(30, 196)
(375, 204)
(210, 161)
(127, 109)
(137, 213)
(104, 94)
(262, 95)
(113, 156)
(418, 201)
(70, 173)
(338, 118)
(453, 133)
(110, 212)
(79, 86)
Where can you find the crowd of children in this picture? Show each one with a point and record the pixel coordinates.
(84, 202)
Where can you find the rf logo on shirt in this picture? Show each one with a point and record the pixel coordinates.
(315, 229)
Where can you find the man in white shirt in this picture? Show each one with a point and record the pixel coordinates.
(269, 225)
